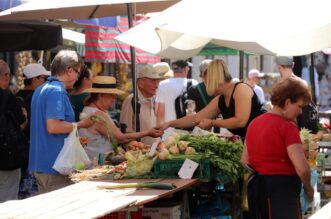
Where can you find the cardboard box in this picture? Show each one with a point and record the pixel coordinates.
(173, 212)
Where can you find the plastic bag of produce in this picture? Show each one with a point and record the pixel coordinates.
(138, 163)
(72, 155)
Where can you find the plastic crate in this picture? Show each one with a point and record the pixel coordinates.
(122, 215)
(170, 169)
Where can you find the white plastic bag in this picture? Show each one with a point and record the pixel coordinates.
(72, 154)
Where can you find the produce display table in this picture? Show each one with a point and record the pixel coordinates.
(84, 200)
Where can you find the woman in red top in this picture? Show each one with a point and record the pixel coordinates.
(276, 157)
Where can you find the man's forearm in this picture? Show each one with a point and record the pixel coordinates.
(55, 126)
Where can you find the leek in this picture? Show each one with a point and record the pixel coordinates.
(147, 185)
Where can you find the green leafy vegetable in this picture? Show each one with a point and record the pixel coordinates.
(224, 155)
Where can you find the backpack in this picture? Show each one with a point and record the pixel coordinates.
(14, 149)
(182, 100)
(309, 118)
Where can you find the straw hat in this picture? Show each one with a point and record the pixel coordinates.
(104, 84)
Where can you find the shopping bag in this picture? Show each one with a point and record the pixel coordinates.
(305, 204)
(72, 155)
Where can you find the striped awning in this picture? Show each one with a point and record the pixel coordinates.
(100, 45)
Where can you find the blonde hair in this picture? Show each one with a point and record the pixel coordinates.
(217, 72)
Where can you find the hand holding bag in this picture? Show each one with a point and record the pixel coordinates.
(72, 155)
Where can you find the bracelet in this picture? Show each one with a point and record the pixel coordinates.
(212, 123)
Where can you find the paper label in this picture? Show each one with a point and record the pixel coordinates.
(187, 169)
(153, 148)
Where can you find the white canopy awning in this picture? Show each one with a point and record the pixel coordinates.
(279, 27)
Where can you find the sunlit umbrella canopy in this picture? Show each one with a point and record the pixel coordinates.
(264, 27)
(280, 27)
(185, 46)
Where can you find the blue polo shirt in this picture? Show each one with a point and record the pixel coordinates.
(49, 101)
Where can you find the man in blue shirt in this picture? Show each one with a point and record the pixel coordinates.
(52, 119)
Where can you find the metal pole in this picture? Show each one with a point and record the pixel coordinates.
(261, 63)
(241, 65)
(133, 68)
(312, 77)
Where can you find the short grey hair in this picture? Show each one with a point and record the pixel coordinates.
(65, 59)
(4, 67)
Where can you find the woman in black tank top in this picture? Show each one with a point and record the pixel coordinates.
(229, 111)
(237, 103)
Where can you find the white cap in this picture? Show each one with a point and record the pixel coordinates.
(204, 65)
(255, 73)
(35, 70)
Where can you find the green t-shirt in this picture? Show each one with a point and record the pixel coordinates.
(77, 102)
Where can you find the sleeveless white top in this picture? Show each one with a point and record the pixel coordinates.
(98, 144)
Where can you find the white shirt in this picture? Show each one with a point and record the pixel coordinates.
(167, 92)
(305, 75)
(98, 144)
(259, 92)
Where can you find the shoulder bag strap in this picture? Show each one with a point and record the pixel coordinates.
(189, 84)
(136, 114)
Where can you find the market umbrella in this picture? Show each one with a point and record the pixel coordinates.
(28, 35)
(213, 50)
(262, 27)
(187, 45)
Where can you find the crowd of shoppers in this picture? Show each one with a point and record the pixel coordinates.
(274, 156)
